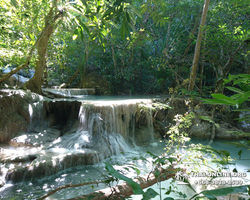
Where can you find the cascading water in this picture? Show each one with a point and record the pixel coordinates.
(70, 92)
(102, 129)
(35, 109)
(107, 129)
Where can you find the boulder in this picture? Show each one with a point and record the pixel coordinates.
(228, 132)
(201, 130)
(20, 111)
(97, 81)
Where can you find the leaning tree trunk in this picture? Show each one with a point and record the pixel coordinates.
(198, 46)
(27, 61)
(35, 83)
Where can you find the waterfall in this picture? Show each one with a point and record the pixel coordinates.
(69, 92)
(36, 117)
(107, 128)
(79, 133)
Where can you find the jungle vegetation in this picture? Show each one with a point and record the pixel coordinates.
(140, 47)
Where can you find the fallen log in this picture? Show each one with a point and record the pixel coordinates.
(123, 190)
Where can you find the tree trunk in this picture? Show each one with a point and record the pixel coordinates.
(198, 46)
(202, 64)
(27, 61)
(113, 57)
(72, 78)
(35, 83)
(190, 38)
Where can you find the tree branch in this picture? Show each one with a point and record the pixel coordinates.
(27, 61)
(69, 186)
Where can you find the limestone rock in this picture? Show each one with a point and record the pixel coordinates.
(97, 81)
(35, 139)
(19, 158)
(228, 132)
(201, 130)
(19, 111)
(1, 183)
(52, 161)
(200, 111)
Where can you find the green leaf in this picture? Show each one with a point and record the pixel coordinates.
(81, 33)
(244, 97)
(247, 76)
(153, 155)
(207, 118)
(214, 102)
(137, 170)
(136, 187)
(149, 194)
(32, 36)
(236, 96)
(137, 12)
(169, 198)
(122, 30)
(224, 191)
(74, 37)
(224, 98)
(243, 86)
(219, 152)
(83, 25)
(239, 153)
(242, 110)
(235, 90)
(238, 144)
(169, 190)
(225, 152)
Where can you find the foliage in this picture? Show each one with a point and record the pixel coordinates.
(148, 45)
(241, 88)
(136, 187)
(177, 133)
(211, 194)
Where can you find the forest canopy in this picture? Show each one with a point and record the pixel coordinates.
(138, 47)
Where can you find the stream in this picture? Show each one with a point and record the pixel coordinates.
(131, 157)
(75, 138)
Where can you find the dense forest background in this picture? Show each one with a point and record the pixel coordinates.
(132, 47)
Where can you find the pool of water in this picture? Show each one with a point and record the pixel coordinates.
(37, 187)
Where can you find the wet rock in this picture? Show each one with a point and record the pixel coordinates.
(35, 139)
(19, 111)
(16, 80)
(51, 162)
(228, 132)
(161, 127)
(1, 183)
(18, 159)
(201, 130)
